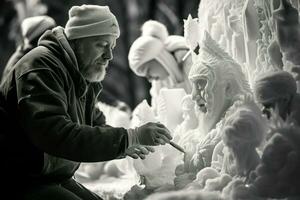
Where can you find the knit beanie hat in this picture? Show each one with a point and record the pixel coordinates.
(91, 20)
(151, 46)
(274, 85)
(33, 27)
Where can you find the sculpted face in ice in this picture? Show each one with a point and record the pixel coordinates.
(277, 91)
(216, 80)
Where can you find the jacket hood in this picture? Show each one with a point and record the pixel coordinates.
(56, 41)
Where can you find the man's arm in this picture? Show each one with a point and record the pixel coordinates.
(44, 108)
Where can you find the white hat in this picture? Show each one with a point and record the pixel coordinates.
(33, 27)
(151, 46)
(91, 20)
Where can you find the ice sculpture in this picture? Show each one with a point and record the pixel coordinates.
(218, 81)
(158, 169)
(169, 110)
(286, 18)
(243, 131)
(278, 175)
(276, 90)
(251, 32)
(189, 122)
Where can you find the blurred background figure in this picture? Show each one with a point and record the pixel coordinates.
(158, 56)
(32, 28)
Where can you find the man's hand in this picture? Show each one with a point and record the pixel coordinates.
(153, 134)
(138, 151)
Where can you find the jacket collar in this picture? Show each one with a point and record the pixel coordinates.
(79, 81)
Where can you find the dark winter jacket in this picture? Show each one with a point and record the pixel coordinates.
(56, 124)
(15, 57)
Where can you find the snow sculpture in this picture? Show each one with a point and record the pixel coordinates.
(251, 33)
(288, 31)
(189, 120)
(142, 114)
(218, 81)
(277, 91)
(191, 32)
(158, 168)
(286, 18)
(238, 44)
(169, 110)
(278, 174)
(243, 131)
(185, 195)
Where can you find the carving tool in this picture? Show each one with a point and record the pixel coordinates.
(176, 146)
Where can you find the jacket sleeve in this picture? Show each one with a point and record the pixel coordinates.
(44, 115)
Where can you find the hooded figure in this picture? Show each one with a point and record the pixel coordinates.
(158, 56)
(32, 28)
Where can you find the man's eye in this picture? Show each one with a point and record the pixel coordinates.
(101, 44)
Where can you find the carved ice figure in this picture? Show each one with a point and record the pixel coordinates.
(286, 18)
(276, 90)
(278, 175)
(169, 110)
(158, 169)
(238, 44)
(142, 114)
(189, 122)
(294, 70)
(250, 23)
(213, 17)
(275, 54)
(218, 81)
(191, 32)
(243, 131)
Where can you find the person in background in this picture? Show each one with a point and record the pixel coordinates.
(49, 98)
(160, 58)
(32, 28)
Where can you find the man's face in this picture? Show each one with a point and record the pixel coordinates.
(93, 55)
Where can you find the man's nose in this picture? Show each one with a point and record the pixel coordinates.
(108, 55)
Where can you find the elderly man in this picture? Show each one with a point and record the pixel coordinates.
(277, 90)
(50, 102)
